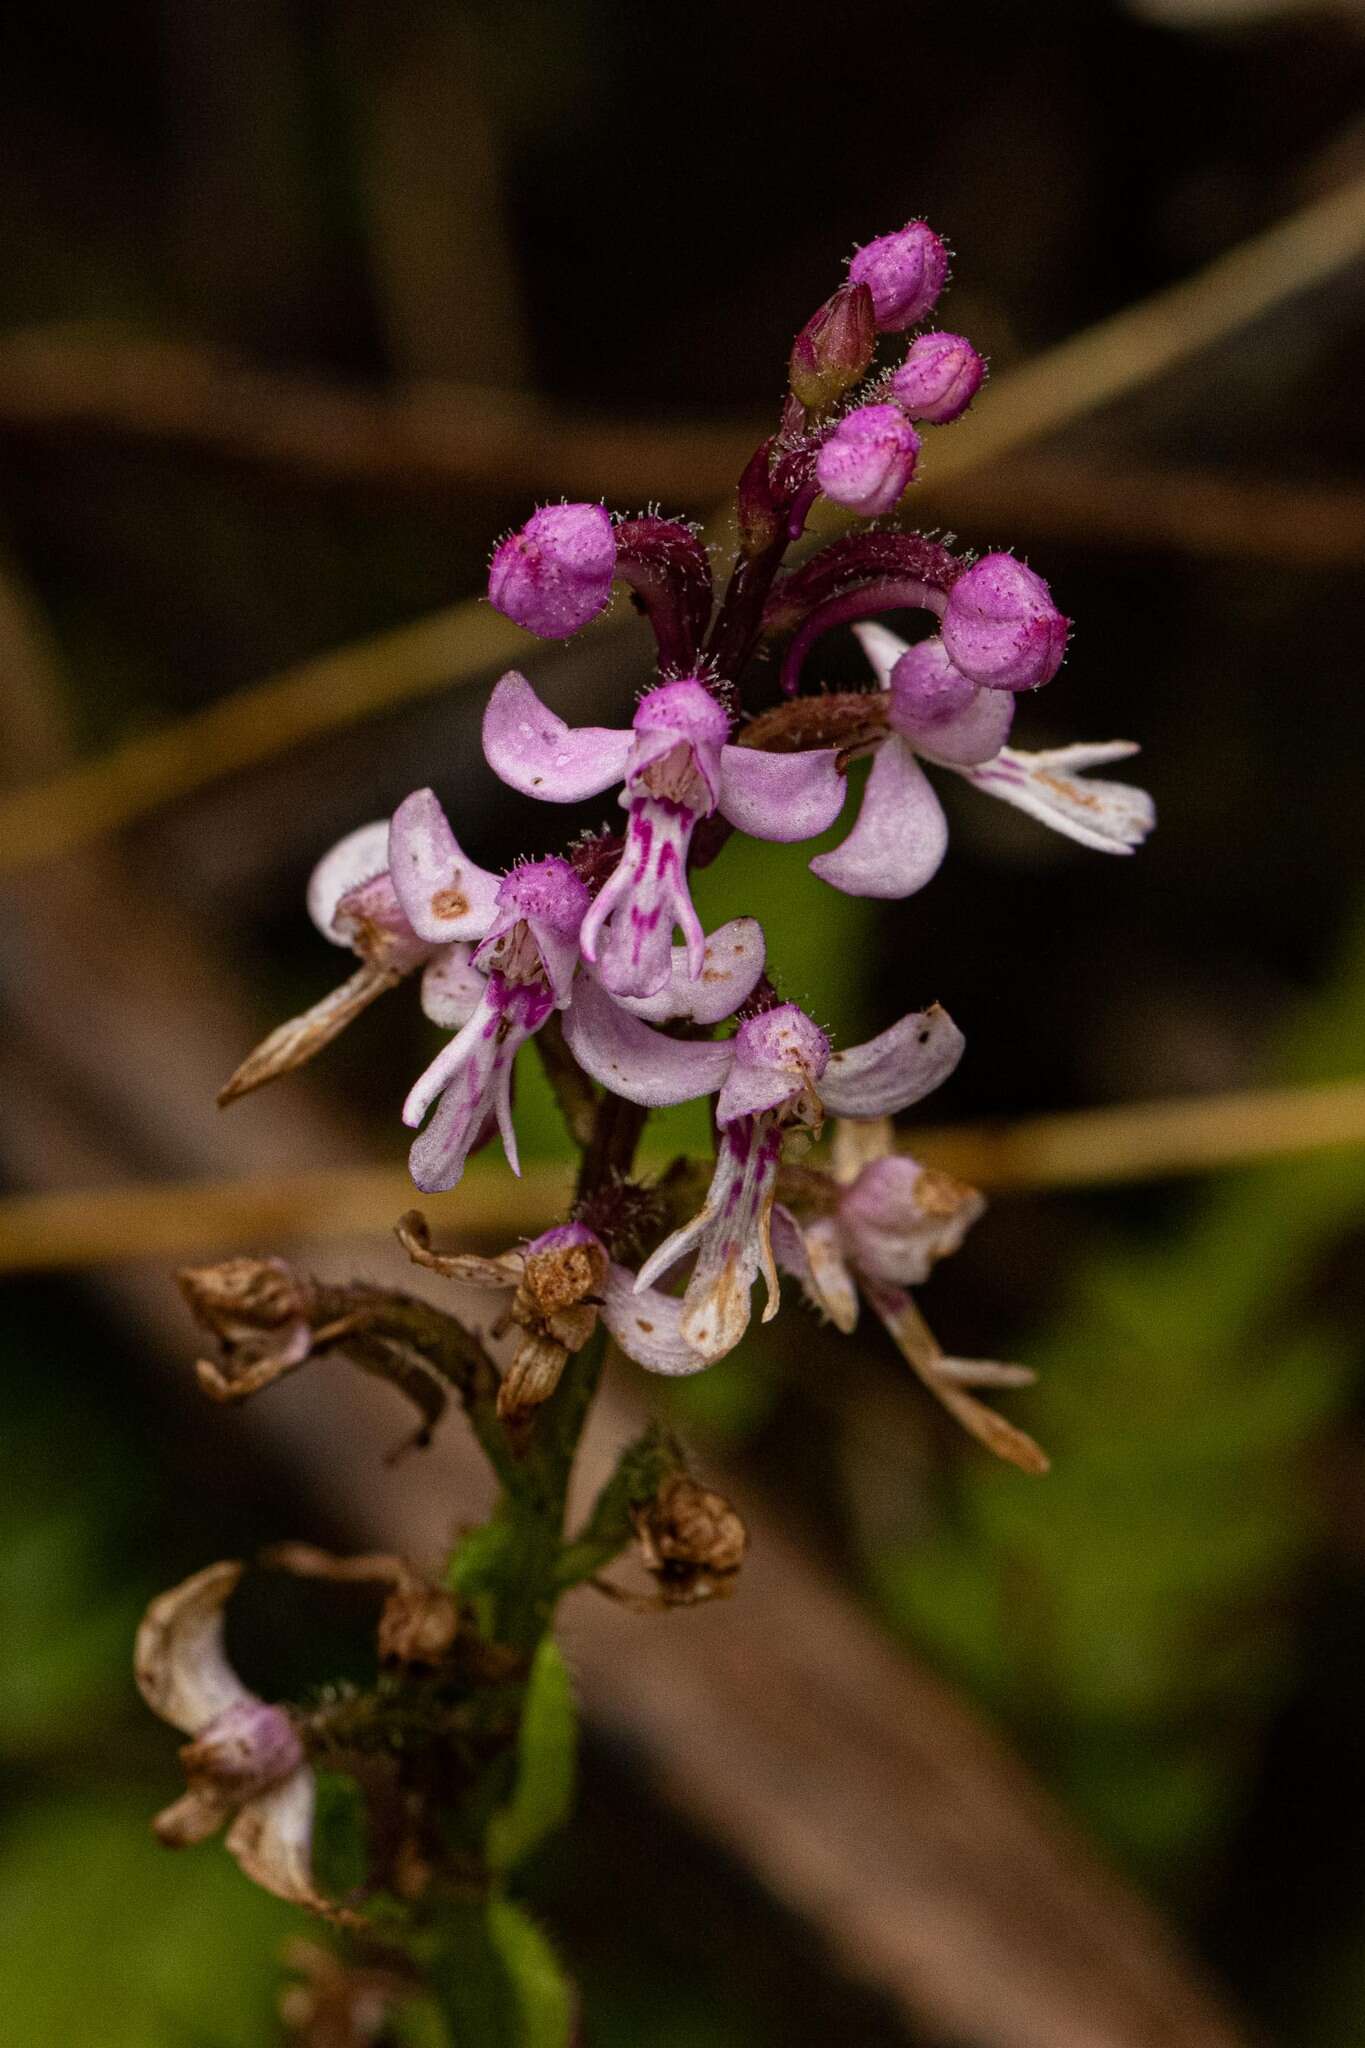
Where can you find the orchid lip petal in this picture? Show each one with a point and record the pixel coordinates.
(900, 1066)
(781, 796)
(648, 1326)
(444, 894)
(1107, 817)
(632, 1059)
(357, 858)
(732, 961)
(532, 749)
(901, 834)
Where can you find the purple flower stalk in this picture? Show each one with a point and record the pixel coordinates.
(677, 767)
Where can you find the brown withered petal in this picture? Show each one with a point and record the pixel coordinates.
(919, 1347)
(419, 1622)
(531, 1378)
(195, 1816)
(258, 1309)
(564, 1276)
(271, 1839)
(689, 1529)
(414, 1234)
(300, 1039)
(179, 1661)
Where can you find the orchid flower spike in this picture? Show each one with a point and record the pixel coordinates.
(496, 994)
(244, 1761)
(775, 1074)
(889, 1223)
(677, 767)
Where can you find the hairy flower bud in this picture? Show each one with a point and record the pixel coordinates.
(834, 348)
(1002, 628)
(868, 460)
(939, 378)
(905, 273)
(555, 574)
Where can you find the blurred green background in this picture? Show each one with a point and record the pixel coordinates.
(621, 209)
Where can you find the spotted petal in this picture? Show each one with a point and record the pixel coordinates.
(901, 835)
(632, 1059)
(781, 796)
(533, 750)
(451, 987)
(732, 961)
(1109, 817)
(648, 1326)
(443, 893)
(812, 1255)
(894, 1069)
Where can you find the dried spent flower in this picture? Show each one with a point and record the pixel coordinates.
(691, 1540)
(419, 1622)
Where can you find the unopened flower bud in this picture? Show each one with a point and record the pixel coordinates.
(905, 273)
(555, 574)
(868, 460)
(939, 378)
(690, 1538)
(1002, 628)
(833, 350)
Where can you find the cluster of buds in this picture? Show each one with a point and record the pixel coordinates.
(603, 949)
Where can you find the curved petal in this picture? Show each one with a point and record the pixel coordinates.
(894, 1069)
(732, 961)
(648, 1326)
(272, 1840)
(451, 987)
(532, 750)
(1108, 817)
(357, 858)
(632, 1059)
(901, 834)
(181, 1668)
(781, 796)
(813, 1256)
(443, 893)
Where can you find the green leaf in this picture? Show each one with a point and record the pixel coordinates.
(542, 1995)
(547, 1744)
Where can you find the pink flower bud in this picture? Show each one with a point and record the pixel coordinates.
(939, 378)
(905, 272)
(834, 348)
(555, 575)
(868, 460)
(1002, 628)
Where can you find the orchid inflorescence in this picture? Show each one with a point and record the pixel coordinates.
(599, 954)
